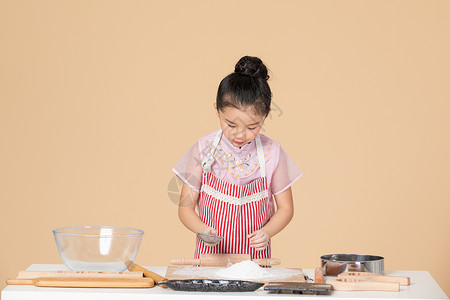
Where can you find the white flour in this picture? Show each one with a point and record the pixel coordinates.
(246, 269)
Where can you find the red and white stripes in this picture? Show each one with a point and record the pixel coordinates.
(234, 211)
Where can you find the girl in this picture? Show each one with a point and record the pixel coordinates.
(232, 174)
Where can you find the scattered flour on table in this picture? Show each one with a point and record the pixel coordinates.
(196, 272)
(246, 269)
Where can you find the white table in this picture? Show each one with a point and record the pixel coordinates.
(422, 286)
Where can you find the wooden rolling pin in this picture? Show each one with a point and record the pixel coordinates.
(345, 284)
(222, 260)
(85, 282)
(91, 274)
(375, 277)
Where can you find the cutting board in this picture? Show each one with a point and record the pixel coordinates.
(209, 273)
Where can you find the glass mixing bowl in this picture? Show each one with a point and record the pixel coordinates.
(98, 248)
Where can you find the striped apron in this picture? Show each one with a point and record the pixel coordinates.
(233, 210)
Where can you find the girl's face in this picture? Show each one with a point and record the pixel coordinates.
(240, 126)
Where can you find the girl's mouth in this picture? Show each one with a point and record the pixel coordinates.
(238, 143)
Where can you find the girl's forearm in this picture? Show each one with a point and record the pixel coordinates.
(283, 215)
(186, 210)
(190, 219)
(279, 221)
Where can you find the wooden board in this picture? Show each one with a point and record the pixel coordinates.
(85, 282)
(209, 273)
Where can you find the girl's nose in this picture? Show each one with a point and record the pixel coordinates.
(240, 133)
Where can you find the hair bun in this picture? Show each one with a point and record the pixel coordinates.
(251, 66)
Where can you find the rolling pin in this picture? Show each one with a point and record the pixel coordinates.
(375, 277)
(222, 260)
(345, 284)
(85, 282)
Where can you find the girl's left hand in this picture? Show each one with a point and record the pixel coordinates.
(259, 240)
(209, 230)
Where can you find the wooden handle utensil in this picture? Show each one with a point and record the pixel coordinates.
(318, 275)
(85, 282)
(346, 284)
(375, 277)
(222, 260)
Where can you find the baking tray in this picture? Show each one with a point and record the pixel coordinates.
(298, 288)
(207, 285)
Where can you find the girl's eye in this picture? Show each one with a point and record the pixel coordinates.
(232, 126)
(252, 128)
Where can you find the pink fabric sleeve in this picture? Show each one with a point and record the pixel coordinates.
(285, 174)
(189, 168)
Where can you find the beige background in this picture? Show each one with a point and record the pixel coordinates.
(99, 99)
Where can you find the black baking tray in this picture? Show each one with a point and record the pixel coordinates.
(210, 285)
(298, 288)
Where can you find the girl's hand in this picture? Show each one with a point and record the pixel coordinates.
(259, 240)
(210, 230)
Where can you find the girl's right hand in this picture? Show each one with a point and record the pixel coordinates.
(209, 230)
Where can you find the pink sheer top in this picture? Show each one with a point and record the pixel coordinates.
(238, 165)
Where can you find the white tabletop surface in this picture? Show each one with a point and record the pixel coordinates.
(422, 286)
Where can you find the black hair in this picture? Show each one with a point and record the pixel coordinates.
(247, 86)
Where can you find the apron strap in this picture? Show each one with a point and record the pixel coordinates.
(261, 158)
(209, 158)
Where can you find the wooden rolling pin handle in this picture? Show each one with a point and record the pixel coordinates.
(185, 261)
(405, 281)
(13, 281)
(267, 261)
(318, 275)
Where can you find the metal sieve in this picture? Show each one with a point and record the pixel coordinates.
(209, 238)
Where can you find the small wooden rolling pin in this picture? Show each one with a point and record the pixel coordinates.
(375, 277)
(85, 282)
